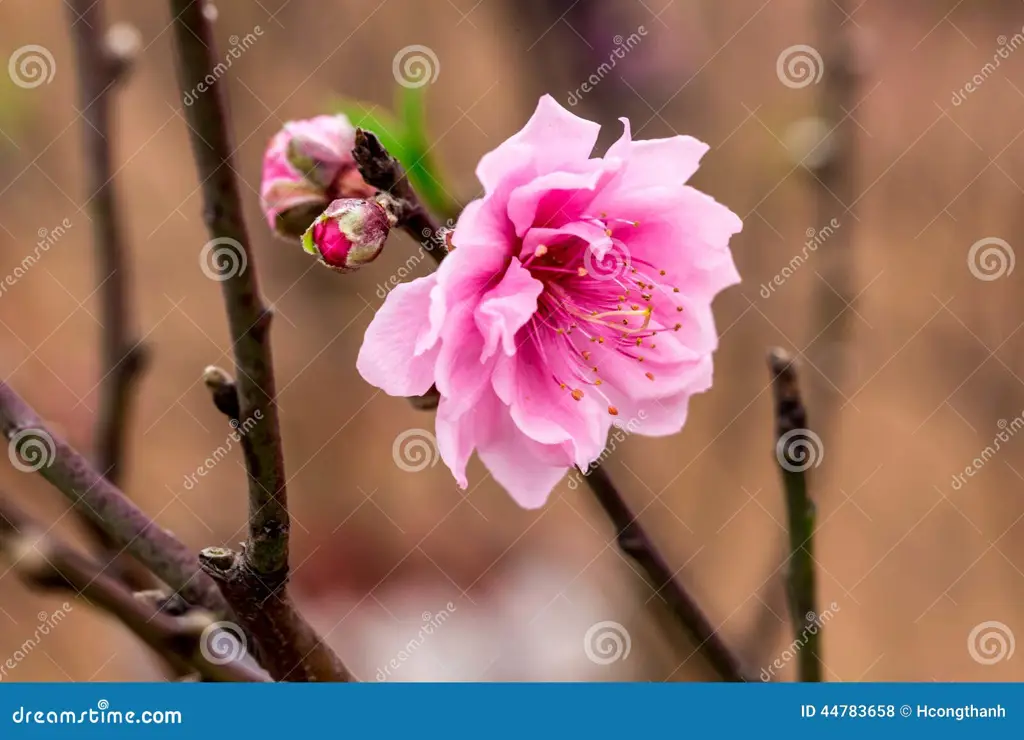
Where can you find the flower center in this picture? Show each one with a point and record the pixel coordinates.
(603, 296)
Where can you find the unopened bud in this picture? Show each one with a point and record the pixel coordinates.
(307, 165)
(349, 234)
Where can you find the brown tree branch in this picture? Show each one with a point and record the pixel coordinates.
(44, 563)
(634, 542)
(254, 581)
(35, 448)
(266, 550)
(123, 358)
(289, 648)
(381, 170)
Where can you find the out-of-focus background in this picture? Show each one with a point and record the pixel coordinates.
(909, 335)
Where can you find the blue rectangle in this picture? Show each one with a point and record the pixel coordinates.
(520, 711)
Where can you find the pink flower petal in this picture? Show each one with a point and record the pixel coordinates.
(656, 161)
(387, 358)
(506, 308)
(551, 138)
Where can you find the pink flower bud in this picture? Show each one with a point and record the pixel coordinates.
(307, 165)
(349, 234)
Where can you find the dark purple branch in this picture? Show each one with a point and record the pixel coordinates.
(249, 319)
(123, 357)
(100, 501)
(44, 563)
(635, 542)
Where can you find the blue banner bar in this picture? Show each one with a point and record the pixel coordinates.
(475, 711)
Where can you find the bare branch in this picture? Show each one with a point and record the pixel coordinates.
(381, 170)
(290, 649)
(634, 542)
(795, 452)
(123, 357)
(96, 498)
(254, 581)
(43, 562)
(248, 318)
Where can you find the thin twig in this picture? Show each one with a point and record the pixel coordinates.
(266, 550)
(634, 542)
(43, 562)
(254, 581)
(123, 356)
(384, 172)
(34, 447)
(796, 450)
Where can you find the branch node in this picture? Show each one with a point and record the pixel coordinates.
(223, 390)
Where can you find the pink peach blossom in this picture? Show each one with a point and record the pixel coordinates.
(578, 293)
(307, 165)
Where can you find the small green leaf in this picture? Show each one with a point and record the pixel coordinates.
(419, 161)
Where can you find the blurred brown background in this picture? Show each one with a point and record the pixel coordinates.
(906, 388)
